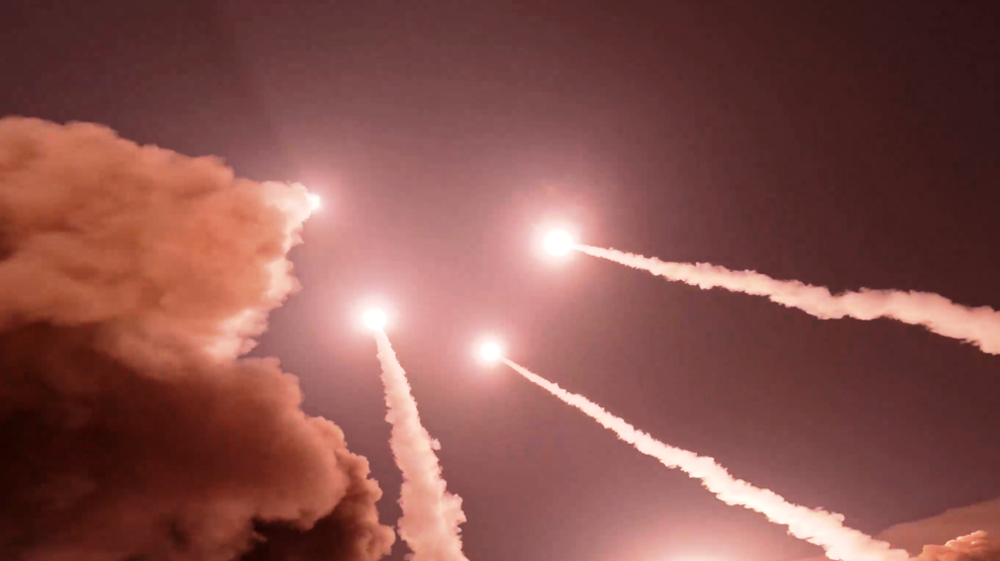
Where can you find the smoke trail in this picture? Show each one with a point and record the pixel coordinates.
(825, 529)
(431, 514)
(973, 547)
(979, 326)
(131, 279)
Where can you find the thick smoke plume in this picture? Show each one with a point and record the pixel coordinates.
(974, 547)
(431, 515)
(825, 529)
(131, 279)
(979, 326)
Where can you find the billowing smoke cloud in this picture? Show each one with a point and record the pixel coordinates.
(431, 515)
(817, 526)
(974, 547)
(978, 520)
(979, 326)
(131, 279)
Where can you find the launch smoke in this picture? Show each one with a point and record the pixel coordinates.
(825, 529)
(131, 279)
(431, 515)
(973, 547)
(979, 326)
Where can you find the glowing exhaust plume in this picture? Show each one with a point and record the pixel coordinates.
(558, 242)
(979, 326)
(375, 319)
(431, 515)
(825, 529)
(491, 352)
(315, 203)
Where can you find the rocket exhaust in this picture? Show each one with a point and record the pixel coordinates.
(979, 326)
(817, 526)
(431, 515)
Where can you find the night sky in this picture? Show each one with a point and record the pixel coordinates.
(837, 143)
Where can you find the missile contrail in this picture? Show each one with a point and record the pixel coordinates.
(431, 514)
(979, 326)
(817, 526)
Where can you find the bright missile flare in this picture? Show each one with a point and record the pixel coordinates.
(490, 352)
(558, 242)
(314, 201)
(375, 319)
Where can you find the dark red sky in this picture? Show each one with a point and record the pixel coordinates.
(831, 142)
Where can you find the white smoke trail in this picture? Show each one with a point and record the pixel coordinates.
(979, 326)
(817, 526)
(431, 514)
